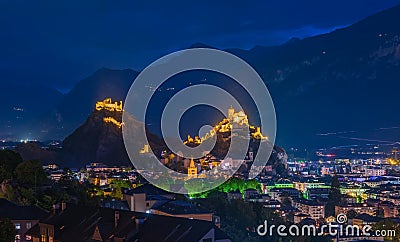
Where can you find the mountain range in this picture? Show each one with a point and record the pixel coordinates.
(346, 81)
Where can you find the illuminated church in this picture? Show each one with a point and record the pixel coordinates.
(192, 169)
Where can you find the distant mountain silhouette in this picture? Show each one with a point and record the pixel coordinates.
(21, 103)
(75, 107)
(341, 81)
(33, 151)
(346, 80)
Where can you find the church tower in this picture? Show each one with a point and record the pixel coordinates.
(192, 170)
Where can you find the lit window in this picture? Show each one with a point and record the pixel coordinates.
(28, 225)
(28, 237)
(17, 226)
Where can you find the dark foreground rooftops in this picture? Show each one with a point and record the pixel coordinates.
(181, 207)
(81, 223)
(147, 189)
(16, 212)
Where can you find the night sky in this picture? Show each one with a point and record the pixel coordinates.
(57, 44)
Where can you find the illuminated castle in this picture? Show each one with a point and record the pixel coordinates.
(113, 120)
(145, 149)
(257, 134)
(195, 140)
(237, 120)
(108, 105)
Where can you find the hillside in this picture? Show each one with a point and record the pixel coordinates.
(21, 105)
(336, 81)
(99, 139)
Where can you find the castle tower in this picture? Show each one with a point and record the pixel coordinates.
(231, 113)
(108, 105)
(145, 149)
(192, 170)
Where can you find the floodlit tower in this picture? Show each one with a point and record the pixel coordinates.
(231, 113)
(145, 149)
(192, 170)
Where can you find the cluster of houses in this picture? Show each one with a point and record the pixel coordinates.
(146, 214)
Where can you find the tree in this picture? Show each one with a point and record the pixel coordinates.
(194, 186)
(117, 193)
(286, 201)
(335, 197)
(30, 173)
(234, 184)
(351, 214)
(7, 230)
(380, 213)
(388, 224)
(9, 160)
(26, 196)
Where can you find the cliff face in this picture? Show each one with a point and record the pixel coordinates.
(99, 139)
(96, 141)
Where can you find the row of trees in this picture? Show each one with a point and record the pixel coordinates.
(335, 197)
(28, 173)
(7, 230)
(20, 179)
(26, 183)
(231, 185)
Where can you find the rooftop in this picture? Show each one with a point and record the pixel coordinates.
(182, 207)
(15, 212)
(148, 189)
(81, 223)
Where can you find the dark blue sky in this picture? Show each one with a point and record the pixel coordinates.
(57, 43)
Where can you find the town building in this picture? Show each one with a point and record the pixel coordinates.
(182, 209)
(372, 171)
(192, 169)
(23, 217)
(144, 197)
(358, 208)
(314, 209)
